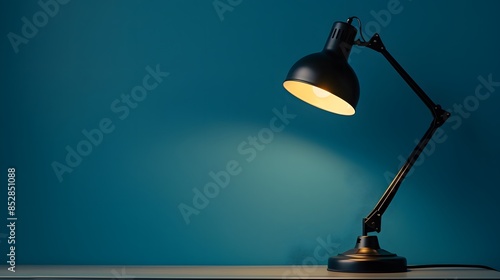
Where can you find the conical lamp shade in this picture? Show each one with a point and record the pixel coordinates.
(325, 80)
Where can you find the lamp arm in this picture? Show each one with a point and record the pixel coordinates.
(373, 221)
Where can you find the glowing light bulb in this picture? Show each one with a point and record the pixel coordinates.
(321, 93)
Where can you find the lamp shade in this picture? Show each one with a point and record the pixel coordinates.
(325, 79)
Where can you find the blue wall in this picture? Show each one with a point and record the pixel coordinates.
(310, 176)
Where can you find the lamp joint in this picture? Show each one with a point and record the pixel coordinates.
(372, 223)
(440, 115)
(375, 43)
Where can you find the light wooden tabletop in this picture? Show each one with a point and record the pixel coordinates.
(233, 272)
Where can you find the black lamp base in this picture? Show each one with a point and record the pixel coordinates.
(367, 256)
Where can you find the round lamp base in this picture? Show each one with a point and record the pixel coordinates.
(367, 256)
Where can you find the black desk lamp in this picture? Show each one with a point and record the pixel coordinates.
(326, 81)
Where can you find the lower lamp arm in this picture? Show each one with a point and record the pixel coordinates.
(373, 221)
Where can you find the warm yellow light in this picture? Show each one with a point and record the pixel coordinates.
(319, 97)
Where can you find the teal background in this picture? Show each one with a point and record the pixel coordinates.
(315, 179)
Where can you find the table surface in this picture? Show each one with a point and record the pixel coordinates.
(231, 272)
